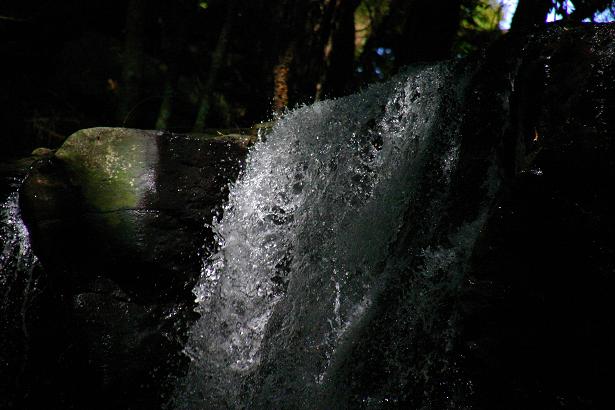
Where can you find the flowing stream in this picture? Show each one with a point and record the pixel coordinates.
(314, 251)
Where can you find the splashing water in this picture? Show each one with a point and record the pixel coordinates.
(312, 237)
(16, 256)
(17, 281)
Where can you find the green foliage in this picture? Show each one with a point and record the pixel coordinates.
(485, 17)
(479, 25)
(368, 16)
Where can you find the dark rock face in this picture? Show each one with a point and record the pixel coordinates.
(537, 310)
(135, 201)
(118, 219)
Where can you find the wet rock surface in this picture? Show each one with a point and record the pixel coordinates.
(134, 201)
(537, 311)
(119, 220)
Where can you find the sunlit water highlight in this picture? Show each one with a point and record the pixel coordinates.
(310, 240)
(16, 255)
(17, 279)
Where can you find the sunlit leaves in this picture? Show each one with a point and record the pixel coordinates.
(479, 25)
(368, 16)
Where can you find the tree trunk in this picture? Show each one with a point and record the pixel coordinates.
(340, 51)
(164, 114)
(132, 72)
(530, 13)
(428, 32)
(174, 37)
(302, 29)
(415, 30)
(217, 60)
(280, 82)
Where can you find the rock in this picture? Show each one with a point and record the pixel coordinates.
(43, 152)
(127, 353)
(12, 172)
(135, 202)
(119, 220)
(537, 304)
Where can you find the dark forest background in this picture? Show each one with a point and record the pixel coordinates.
(191, 65)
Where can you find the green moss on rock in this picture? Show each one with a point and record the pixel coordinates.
(114, 167)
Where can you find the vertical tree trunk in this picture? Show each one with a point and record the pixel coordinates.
(530, 13)
(164, 113)
(415, 30)
(174, 36)
(132, 72)
(217, 60)
(280, 81)
(428, 32)
(339, 53)
(302, 29)
(379, 36)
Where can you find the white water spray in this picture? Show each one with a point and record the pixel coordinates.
(307, 236)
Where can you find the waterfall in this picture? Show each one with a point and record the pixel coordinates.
(16, 258)
(17, 284)
(314, 250)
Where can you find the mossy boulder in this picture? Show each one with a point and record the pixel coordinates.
(130, 204)
(114, 167)
(119, 220)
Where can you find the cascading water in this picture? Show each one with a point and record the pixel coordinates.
(16, 258)
(314, 240)
(17, 284)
